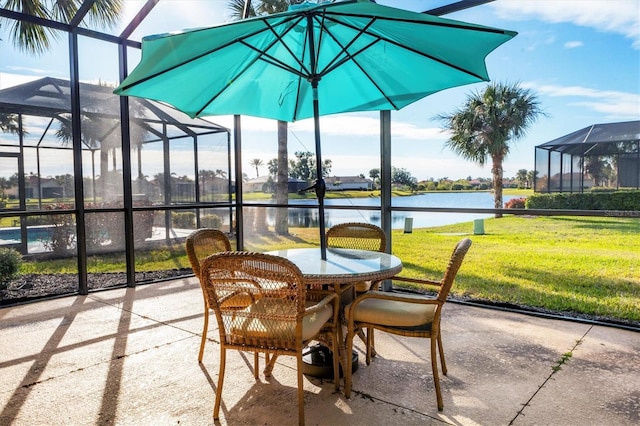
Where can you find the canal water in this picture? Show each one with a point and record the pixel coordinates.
(481, 200)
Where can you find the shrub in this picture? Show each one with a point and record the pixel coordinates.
(515, 203)
(184, 220)
(10, 261)
(142, 225)
(596, 200)
(211, 221)
(37, 220)
(62, 232)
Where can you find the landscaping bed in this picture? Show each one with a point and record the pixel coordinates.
(30, 287)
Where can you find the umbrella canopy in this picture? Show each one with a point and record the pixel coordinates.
(313, 60)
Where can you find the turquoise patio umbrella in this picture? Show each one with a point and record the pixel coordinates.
(313, 60)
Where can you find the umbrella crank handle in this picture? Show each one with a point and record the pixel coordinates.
(319, 187)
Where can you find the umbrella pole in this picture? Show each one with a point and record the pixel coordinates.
(320, 185)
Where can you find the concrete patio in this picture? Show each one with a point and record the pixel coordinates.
(129, 357)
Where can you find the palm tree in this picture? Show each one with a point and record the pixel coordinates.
(256, 162)
(521, 178)
(483, 127)
(36, 39)
(241, 9)
(531, 178)
(374, 174)
(98, 134)
(9, 123)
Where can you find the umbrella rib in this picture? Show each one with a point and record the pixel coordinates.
(221, 91)
(293, 55)
(203, 54)
(352, 57)
(449, 24)
(366, 74)
(330, 67)
(299, 88)
(418, 52)
(262, 53)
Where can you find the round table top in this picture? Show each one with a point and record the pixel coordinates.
(343, 266)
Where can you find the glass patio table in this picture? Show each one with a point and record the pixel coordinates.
(339, 272)
(343, 267)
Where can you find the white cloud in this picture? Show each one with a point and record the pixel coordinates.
(615, 104)
(10, 80)
(573, 44)
(614, 16)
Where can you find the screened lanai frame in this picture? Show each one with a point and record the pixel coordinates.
(601, 155)
(151, 123)
(73, 101)
(124, 42)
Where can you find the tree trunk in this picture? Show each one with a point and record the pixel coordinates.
(282, 183)
(104, 172)
(497, 173)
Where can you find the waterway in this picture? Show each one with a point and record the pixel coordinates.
(305, 217)
(480, 200)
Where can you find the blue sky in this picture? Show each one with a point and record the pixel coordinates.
(581, 57)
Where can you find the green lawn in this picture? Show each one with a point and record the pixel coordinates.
(577, 265)
(570, 264)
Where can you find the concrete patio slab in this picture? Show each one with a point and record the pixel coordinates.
(129, 357)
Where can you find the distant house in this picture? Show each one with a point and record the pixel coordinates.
(348, 183)
(215, 185)
(256, 185)
(263, 184)
(49, 186)
(296, 185)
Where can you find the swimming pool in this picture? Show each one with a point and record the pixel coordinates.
(35, 236)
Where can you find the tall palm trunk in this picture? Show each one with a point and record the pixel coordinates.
(104, 170)
(497, 173)
(282, 184)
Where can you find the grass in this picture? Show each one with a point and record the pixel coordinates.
(582, 266)
(578, 265)
(569, 264)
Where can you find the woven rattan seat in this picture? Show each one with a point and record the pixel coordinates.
(405, 315)
(200, 244)
(278, 321)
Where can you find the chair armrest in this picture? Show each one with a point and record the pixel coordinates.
(375, 285)
(329, 297)
(423, 281)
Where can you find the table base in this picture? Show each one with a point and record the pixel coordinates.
(318, 362)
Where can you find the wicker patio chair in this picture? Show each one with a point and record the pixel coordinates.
(359, 236)
(279, 320)
(200, 244)
(405, 314)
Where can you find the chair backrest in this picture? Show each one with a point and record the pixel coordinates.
(361, 236)
(459, 252)
(276, 287)
(203, 242)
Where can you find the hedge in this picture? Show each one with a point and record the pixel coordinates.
(618, 200)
